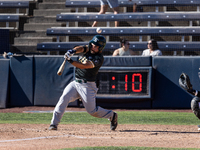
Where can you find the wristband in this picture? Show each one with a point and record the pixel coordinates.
(74, 51)
(196, 93)
(70, 61)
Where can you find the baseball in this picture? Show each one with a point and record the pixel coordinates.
(99, 30)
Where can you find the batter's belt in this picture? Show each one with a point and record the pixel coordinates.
(81, 80)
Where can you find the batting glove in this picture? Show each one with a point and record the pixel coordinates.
(71, 52)
(67, 56)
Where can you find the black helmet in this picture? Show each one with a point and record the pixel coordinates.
(98, 40)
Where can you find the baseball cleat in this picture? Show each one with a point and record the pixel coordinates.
(52, 127)
(199, 128)
(113, 123)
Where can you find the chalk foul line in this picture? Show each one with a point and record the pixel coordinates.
(38, 138)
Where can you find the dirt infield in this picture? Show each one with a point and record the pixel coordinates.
(38, 137)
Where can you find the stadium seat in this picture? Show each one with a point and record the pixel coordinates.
(15, 4)
(123, 31)
(126, 3)
(111, 46)
(13, 17)
(145, 16)
(10, 18)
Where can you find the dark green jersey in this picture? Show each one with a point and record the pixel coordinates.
(89, 74)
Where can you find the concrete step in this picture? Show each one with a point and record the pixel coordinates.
(52, 19)
(26, 49)
(55, 5)
(34, 39)
(50, 12)
(40, 26)
(31, 40)
(43, 19)
(37, 33)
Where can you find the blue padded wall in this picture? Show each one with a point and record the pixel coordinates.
(4, 84)
(128, 61)
(168, 93)
(21, 81)
(34, 80)
(48, 85)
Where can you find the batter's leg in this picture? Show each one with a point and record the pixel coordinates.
(69, 94)
(116, 11)
(87, 92)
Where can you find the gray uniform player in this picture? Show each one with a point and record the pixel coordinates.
(195, 103)
(84, 86)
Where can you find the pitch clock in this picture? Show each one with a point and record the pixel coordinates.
(125, 82)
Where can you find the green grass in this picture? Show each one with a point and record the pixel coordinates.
(124, 117)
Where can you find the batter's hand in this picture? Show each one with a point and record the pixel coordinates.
(71, 52)
(67, 56)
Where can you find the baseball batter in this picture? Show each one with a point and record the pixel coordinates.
(84, 86)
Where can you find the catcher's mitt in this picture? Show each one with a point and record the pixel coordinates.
(184, 82)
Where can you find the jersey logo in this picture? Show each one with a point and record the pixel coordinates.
(83, 60)
(96, 39)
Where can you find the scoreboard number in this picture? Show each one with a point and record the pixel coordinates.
(125, 82)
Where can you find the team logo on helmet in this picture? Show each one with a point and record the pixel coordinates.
(98, 40)
(95, 39)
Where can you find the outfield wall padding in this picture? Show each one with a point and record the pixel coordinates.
(128, 61)
(48, 85)
(168, 93)
(21, 81)
(33, 80)
(4, 82)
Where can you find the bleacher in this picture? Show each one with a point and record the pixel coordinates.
(17, 4)
(145, 16)
(126, 3)
(78, 4)
(128, 31)
(123, 31)
(111, 46)
(7, 16)
(181, 38)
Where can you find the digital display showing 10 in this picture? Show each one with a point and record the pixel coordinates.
(123, 82)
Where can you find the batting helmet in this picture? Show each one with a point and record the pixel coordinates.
(98, 40)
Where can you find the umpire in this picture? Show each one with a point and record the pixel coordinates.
(84, 86)
(184, 82)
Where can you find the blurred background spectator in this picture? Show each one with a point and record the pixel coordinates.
(124, 49)
(113, 4)
(153, 49)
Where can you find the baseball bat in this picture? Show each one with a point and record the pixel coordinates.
(60, 70)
